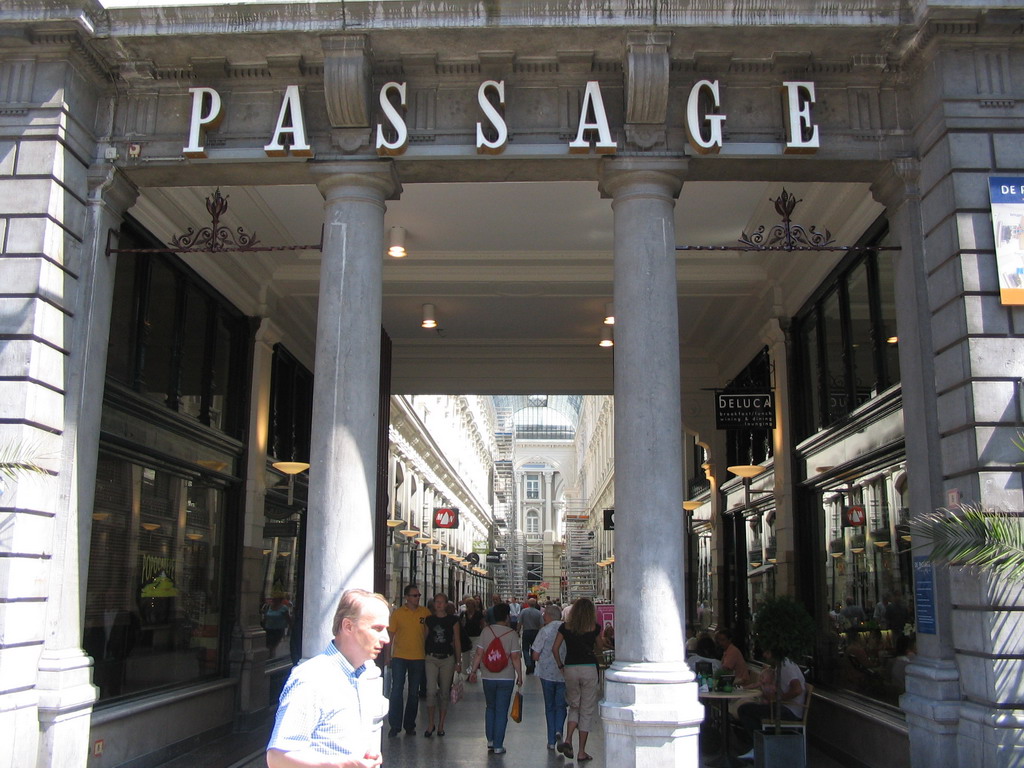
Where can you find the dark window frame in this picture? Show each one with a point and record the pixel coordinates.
(810, 420)
(187, 284)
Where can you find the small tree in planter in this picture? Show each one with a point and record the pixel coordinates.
(785, 629)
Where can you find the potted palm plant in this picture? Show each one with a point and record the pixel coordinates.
(785, 630)
(970, 535)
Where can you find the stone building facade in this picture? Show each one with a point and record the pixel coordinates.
(109, 116)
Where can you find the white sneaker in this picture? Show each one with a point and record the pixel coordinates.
(746, 756)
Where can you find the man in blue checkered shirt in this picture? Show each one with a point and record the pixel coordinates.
(332, 706)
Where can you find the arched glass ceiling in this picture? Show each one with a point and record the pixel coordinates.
(539, 413)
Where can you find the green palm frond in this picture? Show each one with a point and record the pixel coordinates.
(971, 536)
(18, 458)
(1019, 442)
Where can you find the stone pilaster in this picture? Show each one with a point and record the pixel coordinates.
(776, 336)
(343, 452)
(932, 698)
(66, 693)
(650, 710)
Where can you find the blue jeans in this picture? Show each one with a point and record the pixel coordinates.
(416, 671)
(554, 707)
(498, 694)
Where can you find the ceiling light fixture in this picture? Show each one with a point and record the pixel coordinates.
(609, 313)
(428, 317)
(746, 471)
(606, 337)
(396, 243)
(290, 468)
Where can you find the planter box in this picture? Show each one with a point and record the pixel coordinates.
(785, 750)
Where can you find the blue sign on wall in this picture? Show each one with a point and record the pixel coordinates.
(1006, 194)
(924, 595)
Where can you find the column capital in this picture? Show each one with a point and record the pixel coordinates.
(898, 182)
(662, 176)
(378, 176)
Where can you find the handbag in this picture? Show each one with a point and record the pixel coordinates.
(458, 688)
(517, 707)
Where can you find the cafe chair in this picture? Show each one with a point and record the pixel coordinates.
(796, 725)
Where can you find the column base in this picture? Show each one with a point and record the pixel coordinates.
(66, 696)
(932, 704)
(989, 736)
(248, 663)
(651, 716)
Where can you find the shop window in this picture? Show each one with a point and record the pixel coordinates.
(751, 446)
(174, 340)
(279, 604)
(869, 587)
(153, 613)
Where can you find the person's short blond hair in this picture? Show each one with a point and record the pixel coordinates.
(350, 606)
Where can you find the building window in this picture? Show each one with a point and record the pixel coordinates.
(533, 487)
(153, 612)
(845, 339)
(533, 521)
(175, 340)
(291, 407)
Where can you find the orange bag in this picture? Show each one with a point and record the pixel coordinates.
(517, 707)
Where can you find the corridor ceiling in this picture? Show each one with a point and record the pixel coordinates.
(520, 273)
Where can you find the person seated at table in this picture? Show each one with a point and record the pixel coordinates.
(791, 681)
(704, 652)
(732, 659)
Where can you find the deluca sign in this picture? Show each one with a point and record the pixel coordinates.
(704, 121)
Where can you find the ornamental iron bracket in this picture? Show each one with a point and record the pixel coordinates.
(787, 236)
(216, 238)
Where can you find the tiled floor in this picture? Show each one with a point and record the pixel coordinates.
(463, 745)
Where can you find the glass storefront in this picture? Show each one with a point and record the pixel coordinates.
(162, 542)
(153, 610)
(847, 375)
(868, 584)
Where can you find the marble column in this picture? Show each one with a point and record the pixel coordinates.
(64, 684)
(343, 451)
(651, 712)
(932, 700)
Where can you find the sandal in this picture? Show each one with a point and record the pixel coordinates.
(429, 733)
(566, 749)
(584, 758)
(440, 733)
